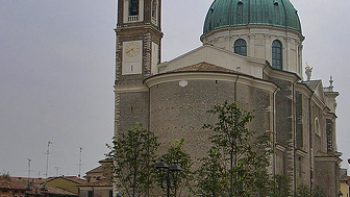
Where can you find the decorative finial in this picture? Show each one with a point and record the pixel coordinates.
(331, 83)
(308, 71)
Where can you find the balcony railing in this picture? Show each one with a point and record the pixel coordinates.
(133, 18)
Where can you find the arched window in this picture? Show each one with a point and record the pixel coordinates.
(240, 47)
(277, 54)
(133, 7)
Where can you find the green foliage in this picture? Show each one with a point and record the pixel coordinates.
(134, 156)
(177, 156)
(211, 176)
(230, 131)
(304, 191)
(237, 163)
(318, 192)
(281, 186)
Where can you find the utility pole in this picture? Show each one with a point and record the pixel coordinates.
(80, 151)
(29, 160)
(28, 181)
(47, 158)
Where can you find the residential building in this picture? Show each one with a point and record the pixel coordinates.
(36, 187)
(99, 181)
(344, 183)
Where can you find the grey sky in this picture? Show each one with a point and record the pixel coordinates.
(57, 72)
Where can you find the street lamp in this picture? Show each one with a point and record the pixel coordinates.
(169, 170)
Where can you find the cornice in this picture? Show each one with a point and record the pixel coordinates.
(281, 74)
(252, 26)
(304, 89)
(210, 75)
(141, 26)
(133, 89)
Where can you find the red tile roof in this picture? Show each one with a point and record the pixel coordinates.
(104, 182)
(204, 66)
(96, 170)
(74, 179)
(7, 183)
(37, 185)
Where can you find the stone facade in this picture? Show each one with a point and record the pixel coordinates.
(259, 41)
(172, 98)
(180, 112)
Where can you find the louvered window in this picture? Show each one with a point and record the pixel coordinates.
(133, 7)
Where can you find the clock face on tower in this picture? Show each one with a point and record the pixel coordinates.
(132, 57)
(132, 49)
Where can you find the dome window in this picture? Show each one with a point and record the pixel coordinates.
(277, 55)
(239, 12)
(240, 47)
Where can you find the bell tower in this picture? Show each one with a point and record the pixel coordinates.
(138, 37)
(138, 53)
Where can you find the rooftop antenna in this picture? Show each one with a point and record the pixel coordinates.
(57, 168)
(29, 160)
(80, 151)
(47, 158)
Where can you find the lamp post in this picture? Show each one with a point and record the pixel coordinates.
(169, 170)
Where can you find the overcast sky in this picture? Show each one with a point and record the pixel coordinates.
(57, 70)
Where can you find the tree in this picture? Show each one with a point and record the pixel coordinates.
(134, 155)
(211, 177)
(238, 155)
(318, 192)
(281, 186)
(176, 155)
(304, 191)
(255, 164)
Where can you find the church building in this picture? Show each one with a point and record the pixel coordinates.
(252, 55)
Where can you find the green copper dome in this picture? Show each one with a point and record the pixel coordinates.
(233, 13)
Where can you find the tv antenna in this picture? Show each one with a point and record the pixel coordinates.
(28, 181)
(29, 160)
(57, 169)
(47, 158)
(80, 151)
